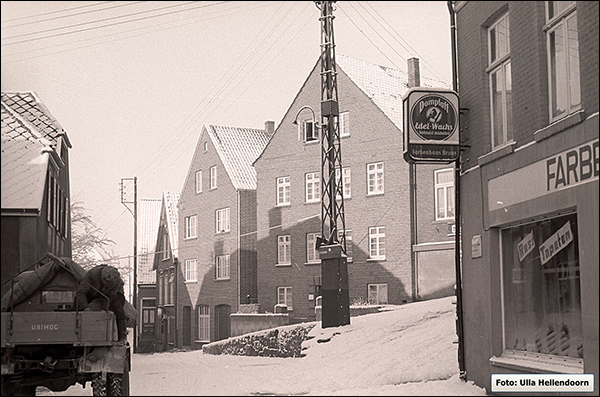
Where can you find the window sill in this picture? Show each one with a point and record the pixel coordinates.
(375, 259)
(284, 205)
(201, 341)
(312, 263)
(497, 153)
(375, 194)
(313, 202)
(537, 362)
(191, 281)
(222, 279)
(559, 125)
(283, 265)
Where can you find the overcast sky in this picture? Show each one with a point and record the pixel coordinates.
(133, 82)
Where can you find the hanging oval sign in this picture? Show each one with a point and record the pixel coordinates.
(433, 117)
(431, 125)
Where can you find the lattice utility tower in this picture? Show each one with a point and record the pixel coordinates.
(332, 244)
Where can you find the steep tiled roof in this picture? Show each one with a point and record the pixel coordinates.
(148, 220)
(28, 106)
(238, 148)
(384, 85)
(29, 132)
(171, 199)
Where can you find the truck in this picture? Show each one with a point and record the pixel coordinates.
(46, 341)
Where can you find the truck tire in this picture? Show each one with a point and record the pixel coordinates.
(99, 384)
(118, 384)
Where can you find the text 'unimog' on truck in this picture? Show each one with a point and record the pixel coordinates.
(47, 341)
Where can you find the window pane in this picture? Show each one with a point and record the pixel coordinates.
(541, 278)
(497, 115)
(508, 95)
(573, 43)
(558, 72)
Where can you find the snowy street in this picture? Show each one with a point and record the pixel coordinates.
(408, 350)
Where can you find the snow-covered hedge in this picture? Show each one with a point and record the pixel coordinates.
(278, 342)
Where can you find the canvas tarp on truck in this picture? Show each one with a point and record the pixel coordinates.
(55, 274)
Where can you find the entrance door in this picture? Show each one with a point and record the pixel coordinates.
(222, 321)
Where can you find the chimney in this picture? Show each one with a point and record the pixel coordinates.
(414, 75)
(269, 128)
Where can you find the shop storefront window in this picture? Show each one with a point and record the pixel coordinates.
(541, 288)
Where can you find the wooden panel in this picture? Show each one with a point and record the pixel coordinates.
(58, 327)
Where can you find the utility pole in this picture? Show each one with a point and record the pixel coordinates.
(332, 243)
(134, 213)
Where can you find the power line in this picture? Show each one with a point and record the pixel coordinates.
(110, 24)
(55, 12)
(68, 16)
(431, 68)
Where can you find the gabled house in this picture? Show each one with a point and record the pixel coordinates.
(35, 184)
(217, 240)
(147, 228)
(166, 265)
(398, 245)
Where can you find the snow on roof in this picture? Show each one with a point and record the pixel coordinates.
(147, 223)
(384, 85)
(29, 134)
(238, 148)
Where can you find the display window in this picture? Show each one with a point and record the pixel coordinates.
(541, 288)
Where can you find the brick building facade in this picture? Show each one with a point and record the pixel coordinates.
(377, 199)
(217, 246)
(528, 75)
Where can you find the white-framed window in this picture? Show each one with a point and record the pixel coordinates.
(312, 253)
(499, 72)
(205, 147)
(213, 177)
(284, 297)
(222, 267)
(541, 289)
(563, 58)
(165, 247)
(377, 242)
(375, 178)
(377, 294)
(344, 123)
(349, 247)
(313, 187)
(345, 181)
(203, 323)
(191, 266)
(222, 220)
(444, 194)
(308, 131)
(284, 250)
(191, 226)
(199, 181)
(283, 190)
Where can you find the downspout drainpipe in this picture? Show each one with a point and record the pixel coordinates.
(457, 212)
(239, 252)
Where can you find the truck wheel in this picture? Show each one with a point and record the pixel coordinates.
(118, 384)
(99, 384)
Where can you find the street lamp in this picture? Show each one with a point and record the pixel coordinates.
(314, 121)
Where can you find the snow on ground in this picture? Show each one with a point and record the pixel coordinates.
(405, 350)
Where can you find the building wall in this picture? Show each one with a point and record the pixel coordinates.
(373, 138)
(489, 206)
(207, 290)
